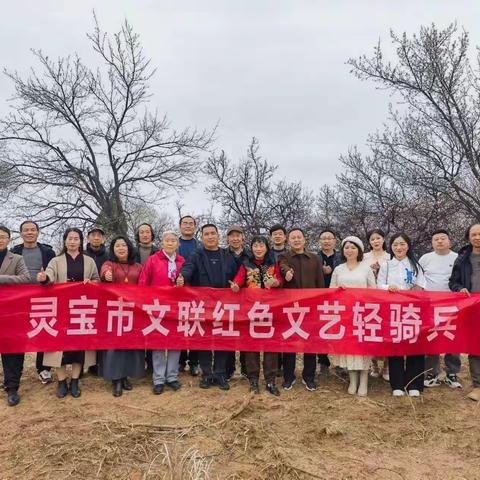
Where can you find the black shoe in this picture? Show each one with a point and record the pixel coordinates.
(2, 386)
(222, 383)
(272, 388)
(93, 370)
(205, 382)
(126, 385)
(62, 389)
(158, 389)
(175, 385)
(75, 388)
(254, 386)
(117, 388)
(194, 370)
(13, 398)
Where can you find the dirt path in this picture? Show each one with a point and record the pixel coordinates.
(197, 434)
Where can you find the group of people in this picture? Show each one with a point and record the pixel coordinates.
(280, 260)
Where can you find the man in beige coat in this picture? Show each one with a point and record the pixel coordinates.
(12, 270)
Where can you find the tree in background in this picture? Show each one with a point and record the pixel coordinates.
(249, 195)
(81, 144)
(432, 145)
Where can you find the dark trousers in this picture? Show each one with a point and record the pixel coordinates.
(12, 370)
(189, 355)
(407, 372)
(39, 363)
(270, 365)
(219, 362)
(231, 364)
(309, 366)
(279, 361)
(323, 359)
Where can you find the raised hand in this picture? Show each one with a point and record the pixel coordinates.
(41, 276)
(289, 275)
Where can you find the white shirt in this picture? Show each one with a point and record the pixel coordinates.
(370, 258)
(437, 270)
(360, 277)
(401, 274)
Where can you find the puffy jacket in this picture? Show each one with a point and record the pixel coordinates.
(155, 270)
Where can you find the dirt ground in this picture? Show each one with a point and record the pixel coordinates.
(211, 434)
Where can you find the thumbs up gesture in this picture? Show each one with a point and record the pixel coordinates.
(289, 275)
(109, 275)
(180, 281)
(41, 276)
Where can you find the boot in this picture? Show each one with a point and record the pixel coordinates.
(352, 388)
(75, 388)
(363, 387)
(117, 388)
(126, 385)
(62, 389)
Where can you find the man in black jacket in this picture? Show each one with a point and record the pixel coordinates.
(466, 278)
(96, 247)
(210, 266)
(236, 246)
(36, 256)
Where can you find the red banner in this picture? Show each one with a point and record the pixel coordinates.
(99, 316)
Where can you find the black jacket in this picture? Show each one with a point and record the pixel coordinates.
(196, 270)
(46, 251)
(462, 271)
(99, 256)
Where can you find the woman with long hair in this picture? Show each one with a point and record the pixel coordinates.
(118, 365)
(259, 270)
(354, 273)
(403, 272)
(71, 265)
(376, 257)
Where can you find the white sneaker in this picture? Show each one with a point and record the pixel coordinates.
(398, 393)
(45, 376)
(414, 393)
(452, 381)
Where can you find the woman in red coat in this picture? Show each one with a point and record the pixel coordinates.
(161, 270)
(118, 365)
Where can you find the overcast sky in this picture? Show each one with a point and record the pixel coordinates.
(271, 69)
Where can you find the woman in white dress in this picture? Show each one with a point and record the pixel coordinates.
(403, 272)
(354, 274)
(376, 257)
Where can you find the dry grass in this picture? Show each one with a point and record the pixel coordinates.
(205, 435)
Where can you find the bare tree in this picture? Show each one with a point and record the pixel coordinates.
(249, 195)
(241, 189)
(433, 142)
(82, 144)
(366, 196)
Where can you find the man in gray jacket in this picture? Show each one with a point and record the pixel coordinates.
(12, 270)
